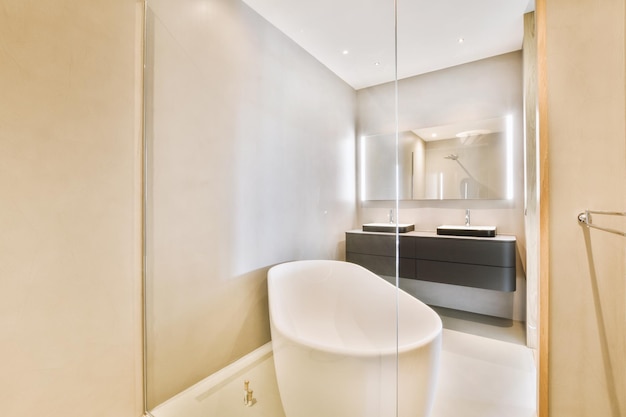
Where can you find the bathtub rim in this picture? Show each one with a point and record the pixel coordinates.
(429, 338)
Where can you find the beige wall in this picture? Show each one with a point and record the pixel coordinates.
(70, 315)
(587, 157)
(531, 177)
(252, 162)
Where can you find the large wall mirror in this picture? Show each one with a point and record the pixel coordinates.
(468, 160)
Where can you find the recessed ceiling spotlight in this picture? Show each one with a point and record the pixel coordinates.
(345, 52)
(461, 40)
(434, 135)
(377, 63)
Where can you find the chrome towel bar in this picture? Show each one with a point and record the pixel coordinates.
(585, 218)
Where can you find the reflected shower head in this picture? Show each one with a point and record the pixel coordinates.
(452, 156)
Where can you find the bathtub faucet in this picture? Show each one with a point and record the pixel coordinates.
(467, 217)
(391, 216)
(248, 399)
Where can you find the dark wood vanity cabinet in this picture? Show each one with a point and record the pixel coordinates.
(487, 263)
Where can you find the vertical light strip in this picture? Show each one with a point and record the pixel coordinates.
(362, 167)
(525, 164)
(441, 185)
(509, 157)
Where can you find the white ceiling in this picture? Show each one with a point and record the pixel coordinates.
(355, 38)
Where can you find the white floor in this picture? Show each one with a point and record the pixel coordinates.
(483, 377)
(479, 377)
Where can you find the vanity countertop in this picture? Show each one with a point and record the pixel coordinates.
(498, 237)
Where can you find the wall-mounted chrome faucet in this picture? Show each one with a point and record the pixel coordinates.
(391, 216)
(467, 217)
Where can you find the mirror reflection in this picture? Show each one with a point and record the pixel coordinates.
(468, 160)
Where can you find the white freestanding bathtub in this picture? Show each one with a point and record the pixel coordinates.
(333, 327)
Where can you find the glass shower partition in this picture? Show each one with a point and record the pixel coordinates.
(251, 141)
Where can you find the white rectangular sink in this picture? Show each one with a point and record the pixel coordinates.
(475, 231)
(388, 227)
